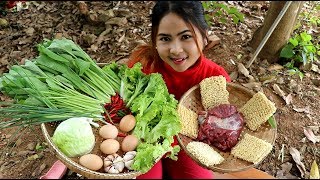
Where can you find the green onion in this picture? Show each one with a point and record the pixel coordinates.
(63, 80)
(21, 115)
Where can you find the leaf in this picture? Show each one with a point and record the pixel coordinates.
(205, 5)
(277, 89)
(218, 13)
(267, 78)
(243, 70)
(274, 67)
(272, 122)
(39, 147)
(304, 58)
(33, 157)
(301, 75)
(294, 42)
(223, 6)
(253, 85)
(223, 20)
(287, 52)
(315, 129)
(288, 99)
(297, 159)
(289, 65)
(304, 110)
(310, 135)
(284, 173)
(235, 19)
(232, 10)
(240, 16)
(305, 37)
(314, 172)
(281, 153)
(311, 57)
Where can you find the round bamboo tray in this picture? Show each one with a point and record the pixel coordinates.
(72, 163)
(238, 96)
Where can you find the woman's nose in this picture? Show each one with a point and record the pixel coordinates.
(176, 48)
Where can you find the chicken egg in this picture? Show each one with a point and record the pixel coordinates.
(129, 143)
(91, 161)
(108, 131)
(109, 146)
(127, 123)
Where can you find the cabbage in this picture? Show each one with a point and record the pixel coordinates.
(74, 136)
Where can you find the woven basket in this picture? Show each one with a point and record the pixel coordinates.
(238, 96)
(72, 163)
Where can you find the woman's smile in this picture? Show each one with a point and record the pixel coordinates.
(178, 61)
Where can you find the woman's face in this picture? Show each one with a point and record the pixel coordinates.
(175, 43)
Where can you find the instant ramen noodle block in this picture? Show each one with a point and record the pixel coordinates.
(251, 149)
(204, 153)
(189, 122)
(214, 91)
(257, 110)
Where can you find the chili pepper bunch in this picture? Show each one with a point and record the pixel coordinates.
(115, 110)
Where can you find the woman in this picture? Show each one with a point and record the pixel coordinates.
(178, 38)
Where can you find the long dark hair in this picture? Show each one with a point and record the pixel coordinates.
(191, 12)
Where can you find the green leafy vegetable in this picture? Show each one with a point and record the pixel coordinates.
(13, 114)
(74, 137)
(62, 76)
(155, 111)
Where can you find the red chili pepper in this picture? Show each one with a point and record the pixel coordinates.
(11, 4)
(120, 134)
(116, 109)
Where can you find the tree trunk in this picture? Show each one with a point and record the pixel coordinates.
(281, 34)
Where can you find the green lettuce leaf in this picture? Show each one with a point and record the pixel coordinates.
(157, 120)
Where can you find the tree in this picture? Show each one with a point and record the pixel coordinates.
(281, 34)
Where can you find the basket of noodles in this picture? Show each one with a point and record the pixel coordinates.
(225, 126)
(111, 122)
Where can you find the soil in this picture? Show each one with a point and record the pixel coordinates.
(25, 154)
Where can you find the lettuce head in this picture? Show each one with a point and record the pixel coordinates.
(74, 136)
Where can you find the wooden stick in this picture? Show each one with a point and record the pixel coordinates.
(266, 37)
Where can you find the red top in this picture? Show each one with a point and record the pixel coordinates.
(180, 82)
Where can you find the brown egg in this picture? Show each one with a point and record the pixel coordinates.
(108, 131)
(129, 143)
(127, 123)
(109, 146)
(91, 161)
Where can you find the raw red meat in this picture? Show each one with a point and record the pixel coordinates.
(221, 127)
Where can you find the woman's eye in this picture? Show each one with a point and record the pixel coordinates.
(165, 39)
(186, 37)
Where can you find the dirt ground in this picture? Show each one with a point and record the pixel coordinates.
(110, 33)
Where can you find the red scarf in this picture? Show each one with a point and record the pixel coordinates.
(180, 82)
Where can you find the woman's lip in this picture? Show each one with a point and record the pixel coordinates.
(178, 60)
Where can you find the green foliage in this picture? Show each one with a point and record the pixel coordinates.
(294, 70)
(41, 146)
(311, 17)
(221, 12)
(300, 49)
(303, 47)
